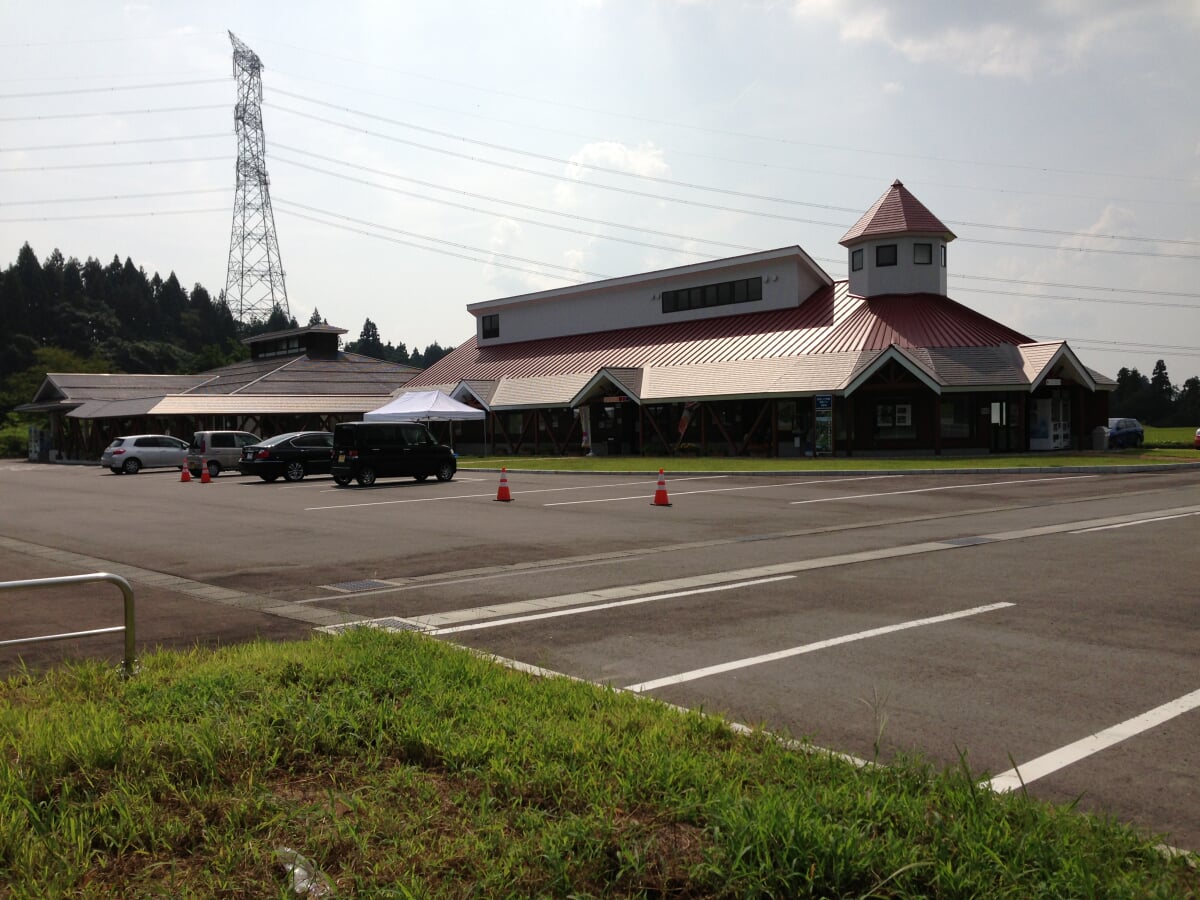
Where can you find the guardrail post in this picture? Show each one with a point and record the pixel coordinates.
(129, 664)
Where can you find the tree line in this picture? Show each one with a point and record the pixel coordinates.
(61, 315)
(1154, 400)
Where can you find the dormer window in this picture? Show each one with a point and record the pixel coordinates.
(885, 255)
(856, 260)
(490, 326)
(923, 254)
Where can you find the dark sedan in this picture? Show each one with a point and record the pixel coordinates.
(292, 455)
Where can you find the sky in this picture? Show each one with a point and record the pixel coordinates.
(425, 156)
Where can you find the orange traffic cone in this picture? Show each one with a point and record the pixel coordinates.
(503, 493)
(184, 474)
(205, 478)
(660, 493)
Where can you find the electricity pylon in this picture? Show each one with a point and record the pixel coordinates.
(254, 280)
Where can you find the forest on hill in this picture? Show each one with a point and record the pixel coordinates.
(61, 315)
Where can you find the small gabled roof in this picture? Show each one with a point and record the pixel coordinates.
(896, 212)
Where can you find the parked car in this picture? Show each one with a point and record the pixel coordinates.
(218, 450)
(1196, 442)
(292, 455)
(130, 454)
(364, 451)
(1125, 433)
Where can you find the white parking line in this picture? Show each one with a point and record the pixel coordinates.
(597, 607)
(705, 672)
(749, 487)
(949, 487)
(1135, 522)
(522, 492)
(1051, 762)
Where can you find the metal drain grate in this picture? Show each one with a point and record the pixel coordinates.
(367, 584)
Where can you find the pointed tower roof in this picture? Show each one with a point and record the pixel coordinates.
(896, 212)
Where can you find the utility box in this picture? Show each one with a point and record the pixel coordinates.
(1099, 438)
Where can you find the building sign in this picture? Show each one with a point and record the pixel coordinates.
(823, 423)
(618, 398)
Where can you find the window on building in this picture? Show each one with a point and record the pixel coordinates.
(744, 290)
(943, 256)
(885, 255)
(956, 416)
(893, 421)
(923, 254)
(856, 259)
(491, 326)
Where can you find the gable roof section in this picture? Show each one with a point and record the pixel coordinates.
(896, 212)
(1041, 359)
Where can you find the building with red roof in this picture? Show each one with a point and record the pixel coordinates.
(766, 353)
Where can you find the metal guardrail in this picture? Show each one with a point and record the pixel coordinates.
(129, 664)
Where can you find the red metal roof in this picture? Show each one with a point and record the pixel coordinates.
(831, 320)
(896, 212)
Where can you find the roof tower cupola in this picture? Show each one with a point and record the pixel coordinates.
(897, 247)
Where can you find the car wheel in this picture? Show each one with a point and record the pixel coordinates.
(421, 477)
(268, 478)
(341, 480)
(366, 476)
(293, 471)
(445, 471)
(131, 466)
(214, 468)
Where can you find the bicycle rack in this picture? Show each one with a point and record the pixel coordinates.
(129, 664)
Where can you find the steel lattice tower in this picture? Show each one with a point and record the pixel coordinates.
(254, 280)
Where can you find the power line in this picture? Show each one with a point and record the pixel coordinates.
(669, 181)
(212, 190)
(425, 237)
(120, 112)
(758, 164)
(384, 237)
(121, 143)
(739, 134)
(665, 198)
(510, 216)
(116, 165)
(116, 215)
(107, 90)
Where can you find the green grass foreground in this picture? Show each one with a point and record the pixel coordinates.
(405, 767)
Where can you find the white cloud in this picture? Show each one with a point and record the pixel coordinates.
(644, 159)
(892, 87)
(1013, 40)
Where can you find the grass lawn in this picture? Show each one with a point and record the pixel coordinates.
(651, 464)
(399, 766)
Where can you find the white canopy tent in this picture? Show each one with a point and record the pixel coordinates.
(423, 406)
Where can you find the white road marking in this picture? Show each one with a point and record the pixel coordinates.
(705, 672)
(522, 492)
(597, 607)
(949, 487)
(1135, 522)
(749, 487)
(1051, 762)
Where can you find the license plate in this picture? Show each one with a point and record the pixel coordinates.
(341, 457)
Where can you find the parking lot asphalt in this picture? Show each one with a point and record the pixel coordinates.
(1047, 622)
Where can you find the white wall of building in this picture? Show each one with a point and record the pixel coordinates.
(905, 277)
(637, 301)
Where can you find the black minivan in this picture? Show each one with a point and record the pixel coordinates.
(364, 451)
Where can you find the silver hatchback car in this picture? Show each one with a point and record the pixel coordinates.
(130, 454)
